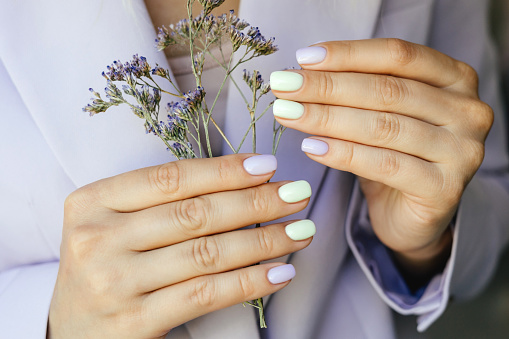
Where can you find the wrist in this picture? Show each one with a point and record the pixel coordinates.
(420, 265)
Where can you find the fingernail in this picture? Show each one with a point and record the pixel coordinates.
(314, 146)
(280, 274)
(311, 55)
(286, 81)
(287, 109)
(300, 230)
(295, 191)
(260, 164)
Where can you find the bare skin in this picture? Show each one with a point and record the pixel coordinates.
(408, 121)
(148, 250)
(165, 12)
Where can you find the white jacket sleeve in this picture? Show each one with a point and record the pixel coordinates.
(480, 231)
(25, 295)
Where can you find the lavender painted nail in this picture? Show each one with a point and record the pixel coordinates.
(314, 146)
(311, 55)
(260, 164)
(280, 274)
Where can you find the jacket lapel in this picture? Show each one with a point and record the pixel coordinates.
(66, 54)
(296, 27)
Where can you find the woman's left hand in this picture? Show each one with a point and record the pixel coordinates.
(405, 118)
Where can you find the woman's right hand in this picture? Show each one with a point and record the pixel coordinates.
(148, 250)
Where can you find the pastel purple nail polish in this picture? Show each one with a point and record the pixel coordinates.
(311, 55)
(314, 146)
(280, 274)
(260, 164)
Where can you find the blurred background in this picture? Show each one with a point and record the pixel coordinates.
(486, 316)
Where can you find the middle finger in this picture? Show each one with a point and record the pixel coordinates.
(214, 213)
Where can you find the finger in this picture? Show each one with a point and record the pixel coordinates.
(219, 253)
(391, 57)
(177, 304)
(371, 92)
(398, 170)
(380, 129)
(172, 223)
(177, 180)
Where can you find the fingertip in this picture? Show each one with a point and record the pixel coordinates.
(311, 55)
(262, 164)
(314, 146)
(281, 274)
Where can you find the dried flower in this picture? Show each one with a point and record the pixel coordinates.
(188, 115)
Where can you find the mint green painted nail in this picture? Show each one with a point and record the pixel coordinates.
(295, 191)
(300, 230)
(287, 109)
(286, 81)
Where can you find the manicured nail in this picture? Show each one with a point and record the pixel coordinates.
(311, 55)
(287, 109)
(314, 146)
(280, 274)
(286, 81)
(300, 230)
(260, 164)
(295, 191)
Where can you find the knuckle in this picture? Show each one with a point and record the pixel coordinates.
(349, 49)
(102, 283)
(402, 52)
(165, 178)
(246, 285)
(475, 155)
(79, 202)
(324, 119)
(82, 242)
(479, 115)
(485, 117)
(390, 91)
(468, 74)
(325, 85)
(346, 155)
(203, 293)
(265, 240)
(259, 200)
(385, 128)
(192, 214)
(205, 253)
(389, 164)
(225, 169)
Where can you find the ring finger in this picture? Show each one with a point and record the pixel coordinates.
(380, 129)
(220, 253)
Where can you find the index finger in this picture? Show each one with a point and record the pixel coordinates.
(178, 180)
(385, 56)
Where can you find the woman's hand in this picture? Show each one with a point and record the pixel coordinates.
(403, 117)
(148, 250)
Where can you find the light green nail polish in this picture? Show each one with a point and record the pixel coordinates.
(287, 109)
(295, 191)
(300, 230)
(286, 81)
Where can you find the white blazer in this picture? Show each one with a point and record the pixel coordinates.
(52, 51)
